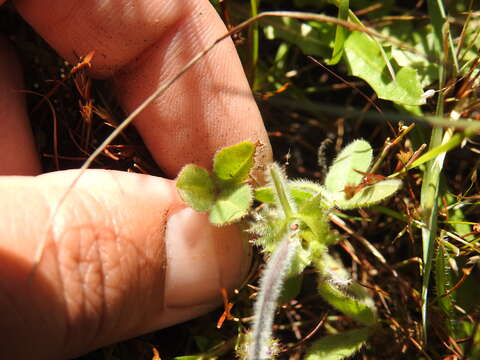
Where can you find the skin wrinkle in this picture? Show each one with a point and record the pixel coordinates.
(112, 234)
(107, 278)
(69, 259)
(112, 313)
(51, 234)
(87, 267)
(86, 183)
(142, 259)
(90, 209)
(90, 236)
(101, 322)
(146, 311)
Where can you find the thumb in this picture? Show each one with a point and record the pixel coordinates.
(123, 256)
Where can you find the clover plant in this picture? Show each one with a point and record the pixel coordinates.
(292, 228)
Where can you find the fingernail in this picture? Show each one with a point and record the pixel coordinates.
(201, 259)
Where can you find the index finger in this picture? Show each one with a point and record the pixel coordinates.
(141, 44)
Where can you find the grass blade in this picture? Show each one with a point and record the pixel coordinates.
(431, 177)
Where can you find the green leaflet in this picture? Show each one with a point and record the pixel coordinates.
(356, 156)
(233, 163)
(264, 194)
(338, 346)
(195, 186)
(231, 205)
(365, 61)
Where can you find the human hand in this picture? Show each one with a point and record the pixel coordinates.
(124, 255)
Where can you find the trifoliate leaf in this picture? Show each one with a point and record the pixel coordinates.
(231, 205)
(370, 195)
(233, 163)
(355, 156)
(338, 346)
(195, 186)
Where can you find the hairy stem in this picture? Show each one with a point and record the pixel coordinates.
(270, 288)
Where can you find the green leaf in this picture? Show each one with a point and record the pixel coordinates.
(301, 259)
(356, 156)
(196, 187)
(264, 194)
(370, 195)
(314, 214)
(422, 40)
(231, 205)
(365, 61)
(268, 232)
(233, 163)
(303, 190)
(291, 288)
(341, 32)
(443, 282)
(313, 39)
(347, 304)
(338, 346)
(300, 191)
(278, 181)
(336, 288)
